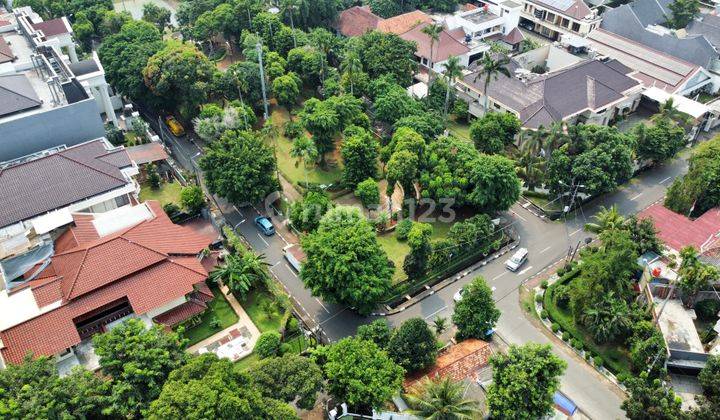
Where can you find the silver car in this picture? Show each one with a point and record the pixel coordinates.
(518, 259)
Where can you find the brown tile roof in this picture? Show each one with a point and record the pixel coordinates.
(459, 362)
(6, 53)
(60, 179)
(576, 8)
(357, 20)
(445, 47)
(402, 23)
(149, 272)
(147, 153)
(52, 27)
(514, 37)
(181, 313)
(677, 231)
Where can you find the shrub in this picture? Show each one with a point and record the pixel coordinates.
(561, 271)
(268, 344)
(555, 327)
(562, 296)
(214, 322)
(707, 309)
(171, 209)
(402, 229)
(566, 336)
(192, 198)
(543, 314)
(153, 176)
(544, 284)
(588, 356)
(368, 193)
(293, 129)
(538, 298)
(598, 361)
(622, 377)
(292, 325)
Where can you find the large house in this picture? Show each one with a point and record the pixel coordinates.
(132, 262)
(591, 91)
(553, 18)
(48, 96)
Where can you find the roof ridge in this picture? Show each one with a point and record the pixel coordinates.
(77, 275)
(38, 101)
(186, 267)
(91, 167)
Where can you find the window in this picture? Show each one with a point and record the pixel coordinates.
(550, 17)
(565, 23)
(576, 27)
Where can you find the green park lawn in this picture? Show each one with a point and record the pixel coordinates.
(287, 164)
(169, 192)
(218, 307)
(253, 305)
(459, 129)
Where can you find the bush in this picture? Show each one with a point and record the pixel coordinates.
(293, 129)
(544, 284)
(562, 296)
(566, 336)
(192, 198)
(368, 193)
(214, 322)
(554, 327)
(543, 314)
(561, 271)
(402, 229)
(598, 361)
(153, 176)
(268, 344)
(171, 209)
(538, 298)
(622, 377)
(588, 356)
(707, 310)
(292, 325)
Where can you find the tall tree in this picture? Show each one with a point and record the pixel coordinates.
(288, 378)
(360, 151)
(441, 399)
(494, 131)
(378, 331)
(531, 169)
(304, 150)
(649, 399)
(524, 382)
(305, 214)
(413, 346)
(157, 15)
(606, 219)
(433, 32)
(345, 263)
(240, 167)
(139, 360)
(237, 275)
(452, 71)
(351, 66)
(475, 314)
(683, 12)
(491, 69)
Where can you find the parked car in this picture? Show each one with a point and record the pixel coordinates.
(518, 259)
(265, 225)
(174, 125)
(457, 297)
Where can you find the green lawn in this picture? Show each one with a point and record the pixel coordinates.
(218, 307)
(253, 305)
(286, 163)
(247, 361)
(459, 129)
(169, 192)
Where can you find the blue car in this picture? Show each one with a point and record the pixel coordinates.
(265, 225)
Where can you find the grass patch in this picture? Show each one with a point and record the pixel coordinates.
(218, 307)
(615, 357)
(169, 192)
(286, 163)
(247, 361)
(254, 306)
(459, 129)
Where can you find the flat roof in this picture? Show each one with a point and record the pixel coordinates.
(677, 326)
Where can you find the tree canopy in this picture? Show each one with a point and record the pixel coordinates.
(288, 378)
(412, 346)
(360, 151)
(699, 190)
(475, 314)
(494, 131)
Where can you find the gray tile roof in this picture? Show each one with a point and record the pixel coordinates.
(625, 22)
(60, 179)
(708, 26)
(590, 84)
(17, 94)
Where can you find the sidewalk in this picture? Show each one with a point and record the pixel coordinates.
(244, 321)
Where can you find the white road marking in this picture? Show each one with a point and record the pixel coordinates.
(521, 218)
(436, 312)
(545, 250)
(663, 181)
(524, 271)
(321, 304)
(282, 237)
(239, 223)
(575, 232)
(262, 239)
(633, 198)
(498, 276)
(275, 265)
(291, 270)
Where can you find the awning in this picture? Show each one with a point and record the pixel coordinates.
(688, 106)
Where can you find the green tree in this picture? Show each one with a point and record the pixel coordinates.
(606, 219)
(368, 193)
(387, 54)
(694, 274)
(475, 232)
(452, 71)
(139, 360)
(419, 241)
(157, 15)
(304, 150)
(496, 186)
(644, 234)
(441, 399)
(709, 377)
(321, 119)
(494, 131)
(403, 168)
(378, 331)
(192, 198)
(359, 151)
(385, 8)
(699, 190)
(236, 275)
(83, 29)
(351, 66)
(524, 382)
(180, 75)
(412, 346)
(531, 169)
(429, 125)
(305, 214)
(240, 167)
(649, 355)
(490, 69)
(288, 378)
(361, 374)
(649, 399)
(287, 89)
(433, 32)
(345, 263)
(394, 104)
(404, 138)
(683, 12)
(659, 142)
(475, 314)
(153, 176)
(208, 387)
(112, 22)
(268, 345)
(609, 320)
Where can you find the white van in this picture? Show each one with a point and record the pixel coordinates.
(518, 259)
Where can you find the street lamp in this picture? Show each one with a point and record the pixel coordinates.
(258, 46)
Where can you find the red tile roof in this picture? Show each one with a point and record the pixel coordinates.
(132, 264)
(181, 313)
(357, 20)
(514, 37)
(445, 47)
(459, 362)
(52, 27)
(677, 231)
(402, 23)
(147, 153)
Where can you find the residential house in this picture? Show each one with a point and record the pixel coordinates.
(356, 21)
(552, 18)
(442, 49)
(592, 91)
(638, 27)
(131, 262)
(707, 25)
(492, 21)
(48, 97)
(39, 194)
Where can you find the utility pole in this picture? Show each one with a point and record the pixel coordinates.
(258, 46)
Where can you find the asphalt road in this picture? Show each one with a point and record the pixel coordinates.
(546, 241)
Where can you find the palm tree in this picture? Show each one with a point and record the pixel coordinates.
(441, 400)
(491, 69)
(234, 275)
(290, 6)
(241, 84)
(530, 168)
(255, 264)
(440, 325)
(608, 320)
(323, 41)
(453, 70)
(304, 150)
(270, 132)
(606, 219)
(669, 111)
(351, 66)
(433, 32)
(533, 141)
